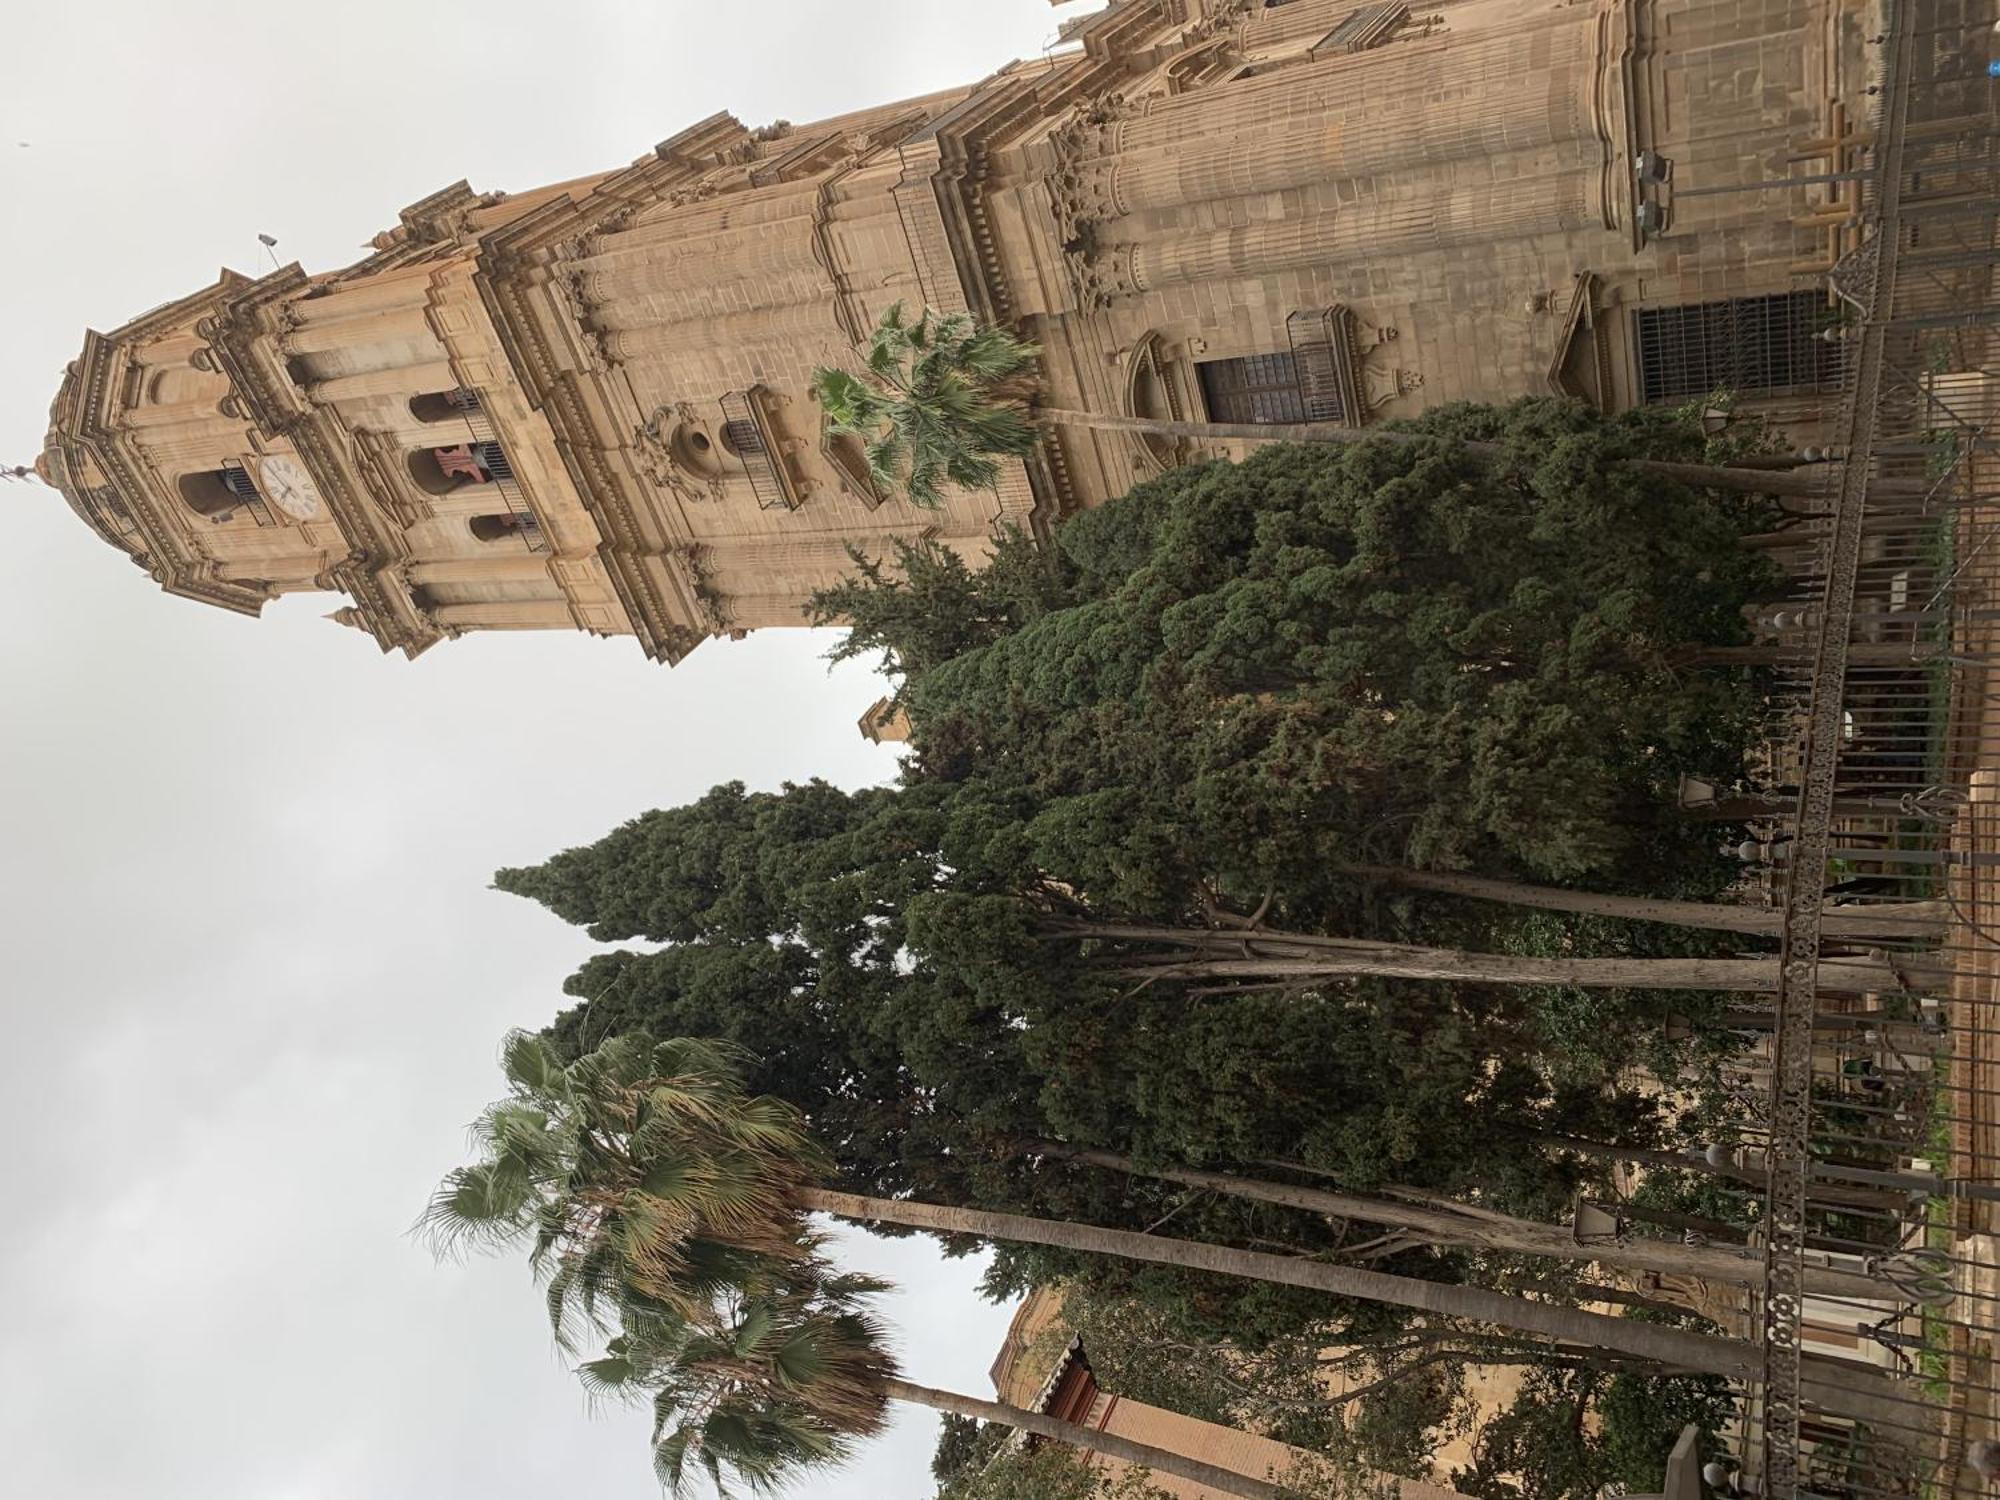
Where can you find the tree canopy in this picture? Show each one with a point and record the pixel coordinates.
(1201, 702)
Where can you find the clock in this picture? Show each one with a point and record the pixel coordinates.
(287, 485)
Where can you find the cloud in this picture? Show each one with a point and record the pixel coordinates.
(255, 976)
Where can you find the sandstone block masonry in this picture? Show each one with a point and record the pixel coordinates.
(586, 406)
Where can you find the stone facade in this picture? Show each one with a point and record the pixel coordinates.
(587, 406)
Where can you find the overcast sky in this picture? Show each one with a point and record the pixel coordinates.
(253, 978)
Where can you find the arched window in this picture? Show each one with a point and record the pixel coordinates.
(439, 471)
(498, 528)
(218, 493)
(443, 406)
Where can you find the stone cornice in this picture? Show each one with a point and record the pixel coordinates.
(384, 610)
(233, 333)
(84, 437)
(445, 214)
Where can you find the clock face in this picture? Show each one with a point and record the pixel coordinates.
(287, 485)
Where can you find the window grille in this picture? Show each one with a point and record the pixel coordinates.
(1261, 388)
(240, 485)
(1747, 344)
(1323, 354)
(1367, 27)
(743, 435)
(492, 458)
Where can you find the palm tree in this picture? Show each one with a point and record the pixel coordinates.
(796, 1376)
(934, 407)
(664, 1206)
(945, 399)
(645, 1177)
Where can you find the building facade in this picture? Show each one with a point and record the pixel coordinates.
(587, 406)
(1043, 1367)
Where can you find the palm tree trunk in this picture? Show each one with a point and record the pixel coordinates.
(1484, 1229)
(1893, 919)
(1732, 1359)
(1087, 1440)
(1296, 957)
(1749, 480)
(1856, 1393)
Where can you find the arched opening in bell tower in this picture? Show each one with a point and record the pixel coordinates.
(443, 406)
(499, 528)
(439, 471)
(217, 493)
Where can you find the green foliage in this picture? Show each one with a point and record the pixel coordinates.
(657, 1201)
(1207, 698)
(1642, 1419)
(1569, 1434)
(1399, 1427)
(965, 1446)
(927, 605)
(933, 407)
(1042, 1472)
(1386, 651)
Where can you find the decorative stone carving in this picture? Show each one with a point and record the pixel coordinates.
(693, 566)
(665, 459)
(381, 458)
(594, 344)
(1083, 185)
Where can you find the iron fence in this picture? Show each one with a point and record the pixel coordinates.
(1858, 1147)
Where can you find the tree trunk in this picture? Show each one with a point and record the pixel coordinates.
(1891, 919)
(1859, 653)
(1732, 1359)
(1087, 1440)
(1749, 480)
(1825, 1189)
(1293, 958)
(1485, 1229)
(1857, 1393)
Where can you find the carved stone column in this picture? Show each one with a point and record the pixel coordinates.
(771, 325)
(394, 326)
(755, 611)
(513, 614)
(516, 567)
(358, 299)
(1343, 143)
(1462, 216)
(1386, 79)
(403, 380)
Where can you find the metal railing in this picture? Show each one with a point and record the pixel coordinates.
(746, 435)
(1865, 1132)
(483, 438)
(248, 498)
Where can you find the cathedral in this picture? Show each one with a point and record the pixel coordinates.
(588, 406)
